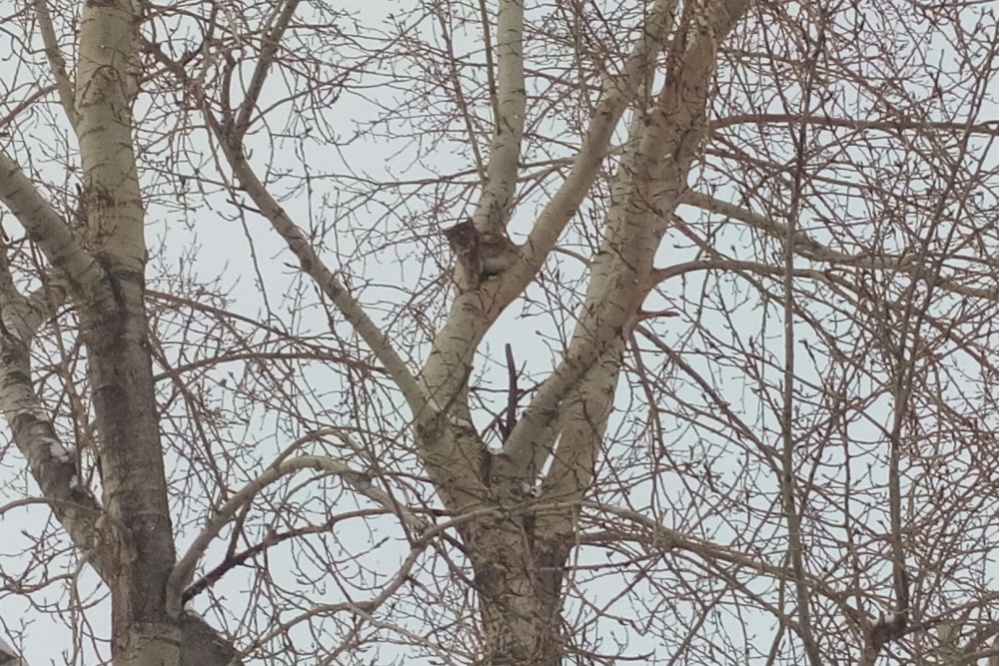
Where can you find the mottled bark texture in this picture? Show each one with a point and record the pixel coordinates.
(519, 550)
(518, 579)
(517, 507)
(115, 330)
(127, 535)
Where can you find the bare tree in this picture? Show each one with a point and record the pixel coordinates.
(499, 332)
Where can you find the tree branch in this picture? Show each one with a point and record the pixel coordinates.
(473, 312)
(809, 248)
(618, 92)
(654, 173)
(51, 463)
(324, 278)
(272, 41)
(891, 126)
(493, 209)
(312, 265)
(57, 64)
(46, 227)
(184, 570)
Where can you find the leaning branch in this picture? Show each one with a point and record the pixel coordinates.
(501, 174)
(46, 227)
(889, 126)
(57, 64)
(53, 466)
(664, 149)
(809, 248)
(619, 91)
(472, 313)
(324, 278)
(268, 51)
(231, 141)
(184, 570)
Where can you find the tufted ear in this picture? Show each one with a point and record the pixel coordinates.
(464, 240)
(463, 237)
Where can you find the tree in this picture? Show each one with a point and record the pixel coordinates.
(739, 258)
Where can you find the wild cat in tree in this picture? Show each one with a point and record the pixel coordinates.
(479, 255)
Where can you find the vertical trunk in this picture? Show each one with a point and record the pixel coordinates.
(114, 328)
(519, 581)
(134, 478)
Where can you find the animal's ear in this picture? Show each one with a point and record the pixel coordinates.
(463, 236)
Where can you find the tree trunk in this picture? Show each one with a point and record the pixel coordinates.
(518, 577)
(134, 480)
(115, 329)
